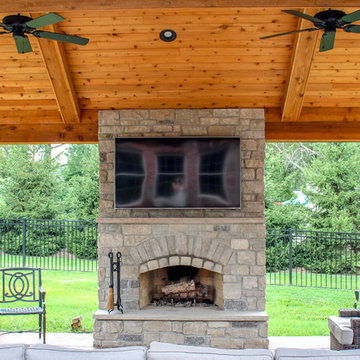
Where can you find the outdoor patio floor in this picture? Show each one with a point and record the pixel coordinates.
(85, 341)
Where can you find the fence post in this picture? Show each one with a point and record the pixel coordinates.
(24, 241)
(290, 256)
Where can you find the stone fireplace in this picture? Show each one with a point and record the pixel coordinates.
(221, 251)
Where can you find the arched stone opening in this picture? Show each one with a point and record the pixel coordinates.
(191, 286)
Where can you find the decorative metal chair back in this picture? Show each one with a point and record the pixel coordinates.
(20, 284)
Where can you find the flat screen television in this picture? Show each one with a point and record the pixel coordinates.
(185, 172)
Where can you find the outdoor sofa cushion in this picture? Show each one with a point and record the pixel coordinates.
(48, 352)
(165, 351)
(12, 351)
(308, 354)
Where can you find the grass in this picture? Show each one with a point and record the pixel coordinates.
(68, 294)
(293, 311)
(300, 311)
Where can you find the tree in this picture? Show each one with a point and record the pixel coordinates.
(81, 175)
(284, 173)
(30, 185)
(333, 187)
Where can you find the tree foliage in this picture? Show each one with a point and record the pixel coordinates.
(30, 185)
(333, 186)
(34, 183)
(82, 180)
(327, 173)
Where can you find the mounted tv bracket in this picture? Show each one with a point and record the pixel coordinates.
(114, 266)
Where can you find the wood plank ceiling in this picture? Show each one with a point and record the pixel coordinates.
(218, 60)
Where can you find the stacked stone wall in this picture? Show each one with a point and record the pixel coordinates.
(230, 242)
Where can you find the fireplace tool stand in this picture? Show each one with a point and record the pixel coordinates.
(114, 267)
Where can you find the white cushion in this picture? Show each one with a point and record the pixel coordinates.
(308, 354)
(12, 351)
(165, 351)
(48, 352)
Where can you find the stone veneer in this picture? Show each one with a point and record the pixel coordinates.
(228, 242)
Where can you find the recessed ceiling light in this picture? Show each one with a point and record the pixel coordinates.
(168, 35)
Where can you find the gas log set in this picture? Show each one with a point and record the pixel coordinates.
(184, 293)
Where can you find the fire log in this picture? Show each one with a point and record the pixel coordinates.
(179, 287)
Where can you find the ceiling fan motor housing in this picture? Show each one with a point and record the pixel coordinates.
(14, 20)
(330, 17)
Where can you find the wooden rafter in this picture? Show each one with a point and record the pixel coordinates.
(312, 132)
(55, 61)
(48, 133)
(21, 129)
(69, 5)
(302, 58)
(315, 124)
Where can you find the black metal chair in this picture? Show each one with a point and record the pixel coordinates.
(23, 286)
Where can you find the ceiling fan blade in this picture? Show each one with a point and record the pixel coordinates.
(349, 18)
(22, 44)
(288, 32)
(44, 20)
(61, 37)
(352, 28)
(313, 19)
(327, 41)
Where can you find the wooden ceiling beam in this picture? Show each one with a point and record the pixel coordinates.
(48, 133)
(50, 130)
(305, 45)
(75, 5)
(314, 124)
(55, 61)
(18, 117)
(320, 131)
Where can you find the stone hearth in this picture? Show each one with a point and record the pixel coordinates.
(225, 247)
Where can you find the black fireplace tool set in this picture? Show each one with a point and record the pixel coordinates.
(114, 267)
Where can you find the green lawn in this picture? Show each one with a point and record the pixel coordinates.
(300, 311)
(68, 294)
(293, 311)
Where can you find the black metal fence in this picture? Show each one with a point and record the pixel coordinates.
(313, 258)
(48, 244)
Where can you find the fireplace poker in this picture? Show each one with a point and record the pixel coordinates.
(118, 264)
(110, 302)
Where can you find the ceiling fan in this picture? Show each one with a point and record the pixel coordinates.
(20, 25)
(328, 21)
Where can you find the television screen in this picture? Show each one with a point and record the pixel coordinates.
(196, 172)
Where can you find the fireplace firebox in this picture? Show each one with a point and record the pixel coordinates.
(181, 286)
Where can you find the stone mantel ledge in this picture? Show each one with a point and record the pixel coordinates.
(188, 220)
(194, 314)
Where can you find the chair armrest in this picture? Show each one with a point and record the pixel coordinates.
(42, 295)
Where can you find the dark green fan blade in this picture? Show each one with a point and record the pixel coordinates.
(305, 16)
(22, 44)
(61, 37)
(288, 32)
(352, 28)
(44, 20)
(349, 18)
(327, 41)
